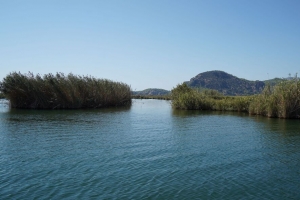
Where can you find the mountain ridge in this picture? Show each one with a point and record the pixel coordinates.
(221, 81)
(151, 92)
(228, 84)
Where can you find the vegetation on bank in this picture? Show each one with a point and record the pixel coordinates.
(2, 95)
(63, 91)
(281, 100)
(161, 97)
(184, 97)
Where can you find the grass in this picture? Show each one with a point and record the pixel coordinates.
(63, 91)
(280, 101)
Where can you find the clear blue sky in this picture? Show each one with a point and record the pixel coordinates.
(151, 43)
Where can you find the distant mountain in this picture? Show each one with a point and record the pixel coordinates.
(151, 92)
(226, 83)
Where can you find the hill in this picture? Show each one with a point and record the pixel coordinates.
(226, 83)
(151, 92)
(275, 81)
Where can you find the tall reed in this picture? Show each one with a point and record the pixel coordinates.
(63, 91)
(281, 101)
(184, 97)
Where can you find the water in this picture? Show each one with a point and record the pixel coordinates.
(147, 151)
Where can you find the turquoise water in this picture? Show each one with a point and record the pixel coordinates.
(147, 151)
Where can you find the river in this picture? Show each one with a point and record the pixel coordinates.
(147, 151)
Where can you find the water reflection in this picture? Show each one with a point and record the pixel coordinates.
(61, 121)
(186, 113)
(289, 127)
(4, 105)
(67, 116)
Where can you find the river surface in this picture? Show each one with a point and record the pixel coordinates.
(147, 151)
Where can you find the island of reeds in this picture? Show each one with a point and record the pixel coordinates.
(59, 91)
(280, 101)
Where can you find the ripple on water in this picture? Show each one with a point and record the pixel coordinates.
(147, 152)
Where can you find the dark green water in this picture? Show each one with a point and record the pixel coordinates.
(147, 151)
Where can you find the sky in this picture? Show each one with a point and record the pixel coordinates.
(150, 43)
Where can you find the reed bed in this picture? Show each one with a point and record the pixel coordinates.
(63, 91)
(187, 98)
(280, 101)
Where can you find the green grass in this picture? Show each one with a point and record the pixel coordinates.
(280, 101)
(63, 91)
